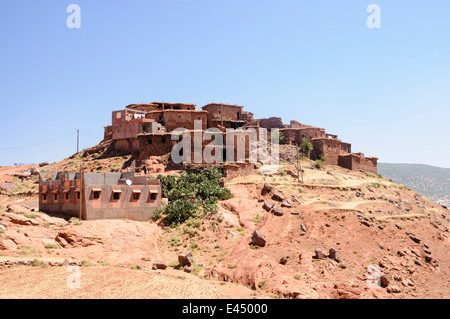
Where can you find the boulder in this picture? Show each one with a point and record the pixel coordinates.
(187, 269)
(384, 281)
(277, 210)
(319, 254)
(258, 238)
(279, 196)
(35, 171)
(286, 203)
(394, 290)
(159, 264)
(414, 239)
(185, 259)
(267, 188)
(283, 260)
(334, 254)
(268, 205)
(293, 172)
(8, 187)
(18, 209)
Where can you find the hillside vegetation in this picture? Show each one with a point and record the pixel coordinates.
(431, 181)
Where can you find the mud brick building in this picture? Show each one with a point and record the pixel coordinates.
(99, 195)
(358, 162)
(226, 115)
(146, 130)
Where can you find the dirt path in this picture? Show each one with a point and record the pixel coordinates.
(111, 282)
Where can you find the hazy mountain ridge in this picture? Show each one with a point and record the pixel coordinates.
(431, 181)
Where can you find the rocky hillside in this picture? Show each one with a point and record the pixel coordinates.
(340, 234)
(431, 181)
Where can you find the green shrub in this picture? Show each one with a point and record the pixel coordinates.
(318, 164)
(191, 195)
(50, 246)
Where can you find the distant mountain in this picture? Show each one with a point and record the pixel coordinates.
(431, 181)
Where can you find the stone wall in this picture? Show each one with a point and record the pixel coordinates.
(359, 162)
(271, 122)
(331, 148)
(296, 135)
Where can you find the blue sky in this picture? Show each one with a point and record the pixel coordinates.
(386, 91)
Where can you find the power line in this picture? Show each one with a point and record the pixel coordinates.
(38, 144)
(90, 135)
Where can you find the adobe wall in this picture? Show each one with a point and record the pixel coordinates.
(331, 148)
(125, 127)
(174, 106)
(184, 119)
(295, 124)
(359, 162)
(127, 145)
(108, 133)
(226, 112)
(154, 145)
(296, 135)
(271, 122)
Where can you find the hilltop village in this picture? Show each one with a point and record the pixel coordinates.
(145, 130)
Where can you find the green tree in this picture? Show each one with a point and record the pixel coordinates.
(277, 136)
(306, 147)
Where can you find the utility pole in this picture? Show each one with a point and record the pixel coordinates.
(78, 139)
(81, 188)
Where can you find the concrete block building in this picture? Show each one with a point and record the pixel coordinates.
(99, 195)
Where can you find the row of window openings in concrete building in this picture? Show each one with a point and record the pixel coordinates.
(97, 194)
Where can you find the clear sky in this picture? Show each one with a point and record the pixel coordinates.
(386, 91)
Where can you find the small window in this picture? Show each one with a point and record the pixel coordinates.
(78, 195)
(44, 196)
(116, 195)
(118, 130)
(119, 115)
(163, 139)
(66, 195)
(96, 194)
(153, 196)
(179, 117)
(136, 196)
(160, 118)
(55, 196)
(198, 118)
(150, 141)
